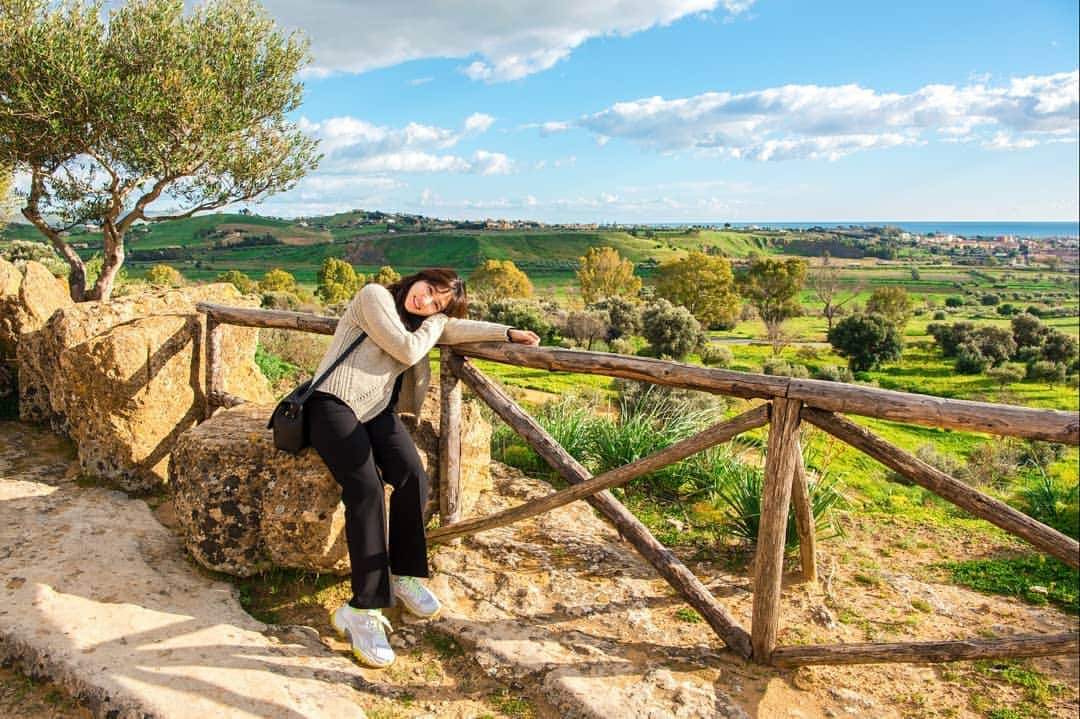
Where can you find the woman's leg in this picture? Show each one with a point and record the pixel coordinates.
(397, 457)
(345, 446)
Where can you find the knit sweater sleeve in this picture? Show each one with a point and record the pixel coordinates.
(459, 332)
(374, 311)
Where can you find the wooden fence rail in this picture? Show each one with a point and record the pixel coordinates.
(790, 401)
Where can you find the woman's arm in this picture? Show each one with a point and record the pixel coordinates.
(374, 311)
(457, 332)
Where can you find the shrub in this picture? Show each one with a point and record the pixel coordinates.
(240, 281)
(1007, 374)
(523, 314)
(989, 299)
(671, 330)
(19, 252)
(892, 303)
(624, 316)
(1052, 504)
(866, 340)
(1028, 330)
(280, 300)
(954, 301)
(163, 276)
(992, 463)
(1043, 371)
(833, 373)
(940, 315)
(782, 368)
(740, 500)
(970, 360)
(716, 355)
(1059, 347)
(928, 453)
(621, 346)
(995, 343)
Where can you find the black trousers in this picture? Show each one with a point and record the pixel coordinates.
(356, 453)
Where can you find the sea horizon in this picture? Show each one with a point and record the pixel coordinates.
(973, 228)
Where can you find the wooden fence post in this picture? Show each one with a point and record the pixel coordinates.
(804, 518)
(449, 441)
(780, 459)
(214, 365)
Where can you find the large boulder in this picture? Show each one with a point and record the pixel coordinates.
(28, 299)
(243, 506)
(125, 378)
(44, 390)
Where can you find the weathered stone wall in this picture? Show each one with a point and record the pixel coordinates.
(124, 378)
(26, 302)
(244, 506)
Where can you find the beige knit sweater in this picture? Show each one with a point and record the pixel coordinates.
(365, 380)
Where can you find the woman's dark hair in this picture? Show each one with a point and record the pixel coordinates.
(440, 278)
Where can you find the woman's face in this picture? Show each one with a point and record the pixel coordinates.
(425, 299)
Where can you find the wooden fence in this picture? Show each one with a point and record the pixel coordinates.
(788, 402)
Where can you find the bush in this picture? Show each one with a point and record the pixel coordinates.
(1007, 374)
(950, 337)
(1043, 371)
(866, 340)
(19, 252)
(954, 301)
(782, 368)
(1059, 347)
(279, 300)
(671, 330)
(989, 299)
(928, 453)
(833, 373)
(163, 276)
(740, 500)
(992, 463)
(940, 315)
(716, 355)
(969, 360)
(1028, 330)
(624, 316)
(240, 281)
(523, 314)
(621, 346)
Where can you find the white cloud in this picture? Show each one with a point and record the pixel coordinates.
(810, 121)
(478, 122)
(420, 81)
(356, 146)
(1004, 141)
(501, 41)
(491, 163)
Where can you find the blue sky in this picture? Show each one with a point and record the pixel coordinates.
(691, 110)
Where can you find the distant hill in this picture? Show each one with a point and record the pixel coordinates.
(201, 247)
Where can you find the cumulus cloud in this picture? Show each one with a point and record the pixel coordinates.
(499, 41)
(811, 121)
(355, 146)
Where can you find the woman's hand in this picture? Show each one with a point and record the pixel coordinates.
(524, 337)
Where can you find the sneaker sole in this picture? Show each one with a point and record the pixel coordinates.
(417, 614)
(360, 656)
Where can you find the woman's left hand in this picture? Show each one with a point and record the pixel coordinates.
(524, 337)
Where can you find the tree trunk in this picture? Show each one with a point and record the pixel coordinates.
(112, 261)
(77, 275)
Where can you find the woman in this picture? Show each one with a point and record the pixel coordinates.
(354, 426)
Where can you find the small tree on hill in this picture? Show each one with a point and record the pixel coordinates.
(499, 279)
(337, 281)
(606, 273)
(1007, 374)
(892, 303)
(386, 275)
(702, 284)
(587, 326)
(1028, 330)
(825, 282)
(163, 276)
(866, 340)
(156, 103)
(277, 280)
(1059, 347)
(772, 288)
(240, 281)
(671, 329)
(624, 316)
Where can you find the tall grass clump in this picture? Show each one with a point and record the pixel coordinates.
(740, 501)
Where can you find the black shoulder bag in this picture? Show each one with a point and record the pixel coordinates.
(288, 421)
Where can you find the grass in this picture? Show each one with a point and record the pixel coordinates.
(1017, 576)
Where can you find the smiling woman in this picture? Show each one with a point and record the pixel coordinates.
(354, 426)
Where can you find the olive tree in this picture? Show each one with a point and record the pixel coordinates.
(109, 114)
(606, 273)
(702, 284)
(772, 287)
(866, 340)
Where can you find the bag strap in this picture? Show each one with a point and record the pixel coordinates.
(341, 358)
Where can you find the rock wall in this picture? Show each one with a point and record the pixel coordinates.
(27, 299)
(244, 506)
(124, 378)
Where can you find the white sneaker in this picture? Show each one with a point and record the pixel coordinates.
(364, 628)
(417, 598)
